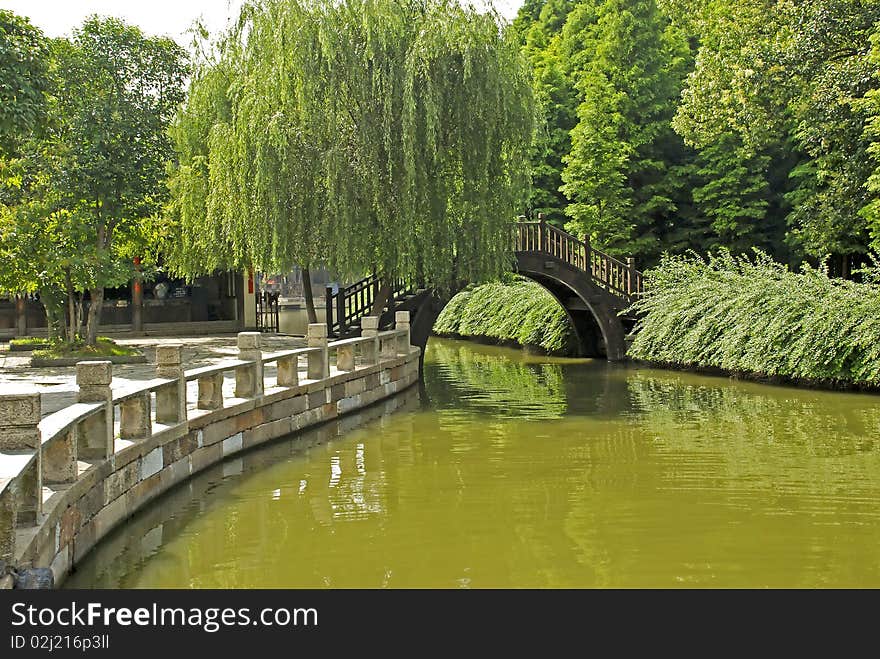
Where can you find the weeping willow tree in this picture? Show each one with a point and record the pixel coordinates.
(382, 136)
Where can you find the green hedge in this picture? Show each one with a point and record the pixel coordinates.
(756, 316)
(518, 311)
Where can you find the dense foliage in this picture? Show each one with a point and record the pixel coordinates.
(520, 311)
(83, 160)
(696, 124)
(370, 135)
(757, 316)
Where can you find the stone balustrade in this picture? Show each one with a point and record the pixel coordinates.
(67, 479)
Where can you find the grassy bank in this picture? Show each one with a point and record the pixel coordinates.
(756, 317)
(78, 349)
(517, 311)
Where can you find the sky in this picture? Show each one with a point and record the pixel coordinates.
(155, 17)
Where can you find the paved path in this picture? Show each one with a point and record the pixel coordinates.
(58, 384)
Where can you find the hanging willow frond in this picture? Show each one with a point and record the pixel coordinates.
(365, 134)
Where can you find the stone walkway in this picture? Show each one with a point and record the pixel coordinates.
(57, 385)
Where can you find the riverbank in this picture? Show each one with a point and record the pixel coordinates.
(754, 318)
(521, 471)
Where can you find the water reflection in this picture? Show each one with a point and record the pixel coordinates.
(529, 471)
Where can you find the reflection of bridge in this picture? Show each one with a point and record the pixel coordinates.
(591, 286)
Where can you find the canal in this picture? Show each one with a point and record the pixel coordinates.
(512, 470)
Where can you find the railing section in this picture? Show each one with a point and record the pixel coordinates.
(617, 277)
(39, 455)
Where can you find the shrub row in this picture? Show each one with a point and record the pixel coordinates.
(756, 316)
(518, 311)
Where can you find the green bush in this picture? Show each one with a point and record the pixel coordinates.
(520, 311)
(757, 316)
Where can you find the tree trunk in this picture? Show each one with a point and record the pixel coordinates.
(845, 271)
(307, 294)
(382, 296)
(53, 302)
(96, 302)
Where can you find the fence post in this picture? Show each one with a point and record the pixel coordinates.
(340, 312)
(134, 421)
(95, 434)
(588, 255)
(249, 379)
(401, 323)
(328, 308)
(319, 367)
(370, 330)
(542, 231)
(20, 433)
(170, 399)
(630, 274)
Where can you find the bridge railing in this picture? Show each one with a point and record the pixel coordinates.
(42, 456)
(348, 305)
(617, 277)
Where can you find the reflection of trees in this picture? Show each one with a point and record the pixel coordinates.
(460, 375)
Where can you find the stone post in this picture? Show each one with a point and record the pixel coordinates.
(135, 421)
(319, 366)
(288, 371)
(7, 526)
(210, 392)
(95, 434)
(20, 437)
(249, 379)
(370, 330)
(345, 357)
(170, 399)
(401, 323)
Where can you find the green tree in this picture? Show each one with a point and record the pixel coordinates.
(24, 80)
(623, 172)
(118, 92)
(788, 78)
(371, 135)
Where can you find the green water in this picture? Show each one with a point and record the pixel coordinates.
(528, 471)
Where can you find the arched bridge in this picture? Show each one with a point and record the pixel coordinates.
(592, 287)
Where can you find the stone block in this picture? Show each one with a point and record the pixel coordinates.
(94, 374)
(232, 444)
(179, 448)
(252, 340)
(353, 387)
(151, 463)
(19, 409)
(317, 399)
(121, 481)
(71, 521)
(287, 408)
(210, 392)
(135, 422)
(336, 393)
(206, 456)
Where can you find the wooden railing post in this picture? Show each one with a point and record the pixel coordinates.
(370, 329)
(170, 399)
(543, 238)
(630, 274)
(95, 434)
(319, 367)
(20, 433)
(588, 256)
(328, 309)
(249, 379)
(340, 312)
